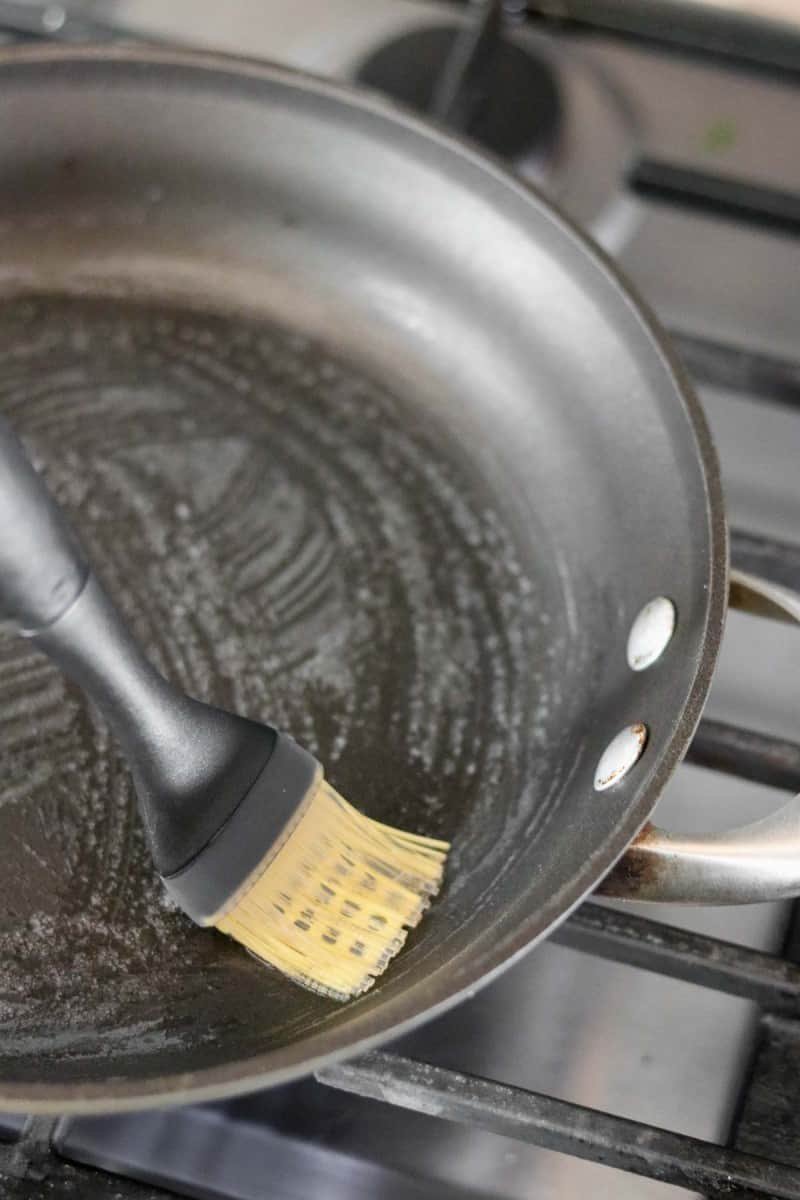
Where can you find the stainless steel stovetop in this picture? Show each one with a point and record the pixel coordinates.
(649, 147)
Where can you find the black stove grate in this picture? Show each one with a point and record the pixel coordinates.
(30, 1169)
(569, 1128)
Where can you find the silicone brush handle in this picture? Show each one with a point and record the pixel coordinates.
(192, 764)
(42, 566)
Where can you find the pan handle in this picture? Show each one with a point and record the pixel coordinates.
(753, 863)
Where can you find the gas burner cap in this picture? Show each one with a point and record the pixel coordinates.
(512, 104)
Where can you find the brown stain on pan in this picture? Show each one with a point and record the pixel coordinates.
(637, 872)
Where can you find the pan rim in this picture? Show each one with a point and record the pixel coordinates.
(397, 1017)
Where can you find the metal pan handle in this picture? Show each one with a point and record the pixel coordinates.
(755, 862)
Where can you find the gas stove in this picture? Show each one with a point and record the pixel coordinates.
(640, 1049)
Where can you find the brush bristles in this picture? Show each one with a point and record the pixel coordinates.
(333, 904)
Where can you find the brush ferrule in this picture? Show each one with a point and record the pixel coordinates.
(208, 884)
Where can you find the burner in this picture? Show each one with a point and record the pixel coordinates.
(510, 103)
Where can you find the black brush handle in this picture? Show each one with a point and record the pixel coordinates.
(42, 567)
(192, 763)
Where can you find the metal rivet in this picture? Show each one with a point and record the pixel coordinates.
(651, 633)
(620, 755)
(53, 18)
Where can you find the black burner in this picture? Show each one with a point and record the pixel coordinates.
(513, 103)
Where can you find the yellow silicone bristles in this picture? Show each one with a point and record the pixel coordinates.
(333, 903)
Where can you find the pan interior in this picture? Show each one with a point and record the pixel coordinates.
(288, 539)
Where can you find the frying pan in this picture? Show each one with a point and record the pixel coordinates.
(366, 440)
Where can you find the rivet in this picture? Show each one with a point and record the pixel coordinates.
(53, 18)
(651, 633)
(620, 755)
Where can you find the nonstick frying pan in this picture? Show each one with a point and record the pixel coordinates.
(366, 440)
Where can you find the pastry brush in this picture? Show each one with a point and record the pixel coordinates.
(244, 831)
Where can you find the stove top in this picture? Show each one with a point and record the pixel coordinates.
(683, 163)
